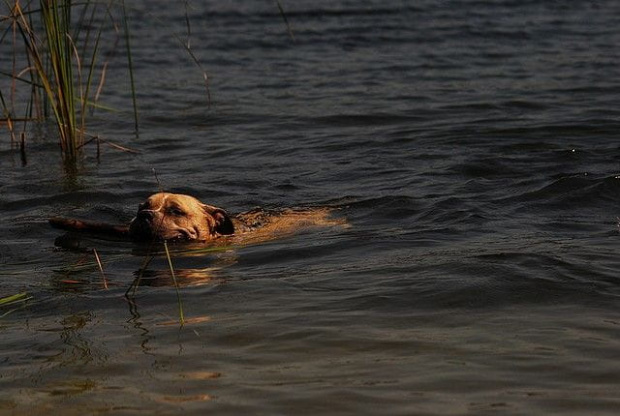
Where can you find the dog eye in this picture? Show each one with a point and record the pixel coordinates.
(176, 212)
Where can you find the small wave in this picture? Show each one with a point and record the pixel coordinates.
(576, 191)
(355, 120)
(487, 167)
(386, 207)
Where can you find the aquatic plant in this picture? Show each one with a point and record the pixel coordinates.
(176, 285)
(13, 301)
(56, 46)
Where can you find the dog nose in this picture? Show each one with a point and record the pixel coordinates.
(145, 214)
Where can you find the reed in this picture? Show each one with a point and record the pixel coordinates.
(14, 299)
(58, 78)
(14, 302)
(176, 285)
(56, 47)
(100, 266)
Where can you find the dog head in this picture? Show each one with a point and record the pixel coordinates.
(166, 216)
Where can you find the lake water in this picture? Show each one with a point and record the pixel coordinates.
(471, 146)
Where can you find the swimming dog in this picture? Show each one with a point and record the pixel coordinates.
(168, 216)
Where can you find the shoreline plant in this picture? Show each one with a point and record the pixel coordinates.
(56, 47)
(60, 52)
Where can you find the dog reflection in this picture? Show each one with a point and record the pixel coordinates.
(182, 277)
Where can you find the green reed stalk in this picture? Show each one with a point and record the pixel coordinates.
(53, 68)
(176, 285)
(288, 26)
(130, 62)
(35, 53)
(6, 114)
(86, 92)
(12, 301)
(62, 61)
(56, 22)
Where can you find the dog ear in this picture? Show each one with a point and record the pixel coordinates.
(222, 223)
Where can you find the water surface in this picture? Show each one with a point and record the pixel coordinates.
(472, 147)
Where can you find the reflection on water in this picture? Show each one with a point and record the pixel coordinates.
(78, 351)
(184, 277)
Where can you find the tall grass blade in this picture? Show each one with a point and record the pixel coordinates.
(194, 58)
(176, 285)
(6, 116)
(133, 287)
(187, 23)
(62, 42)
(35, 57)
(288, 26)
(100, 265)
(11, 300)
(159, 185)
(130, 63)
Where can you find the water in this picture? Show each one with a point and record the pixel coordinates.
(471, 147)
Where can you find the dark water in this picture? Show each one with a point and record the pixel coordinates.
(473, 149)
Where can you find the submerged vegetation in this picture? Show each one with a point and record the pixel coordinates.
(56, 64)
(11, 303)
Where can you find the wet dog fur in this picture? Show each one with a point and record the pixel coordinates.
(167, 216)
(178, 217)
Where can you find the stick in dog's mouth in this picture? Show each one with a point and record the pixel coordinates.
(178, 217)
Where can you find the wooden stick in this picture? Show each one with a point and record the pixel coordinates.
(69, 224)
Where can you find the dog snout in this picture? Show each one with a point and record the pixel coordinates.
(145, 214)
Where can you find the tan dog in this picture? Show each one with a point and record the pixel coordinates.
(168, 216)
